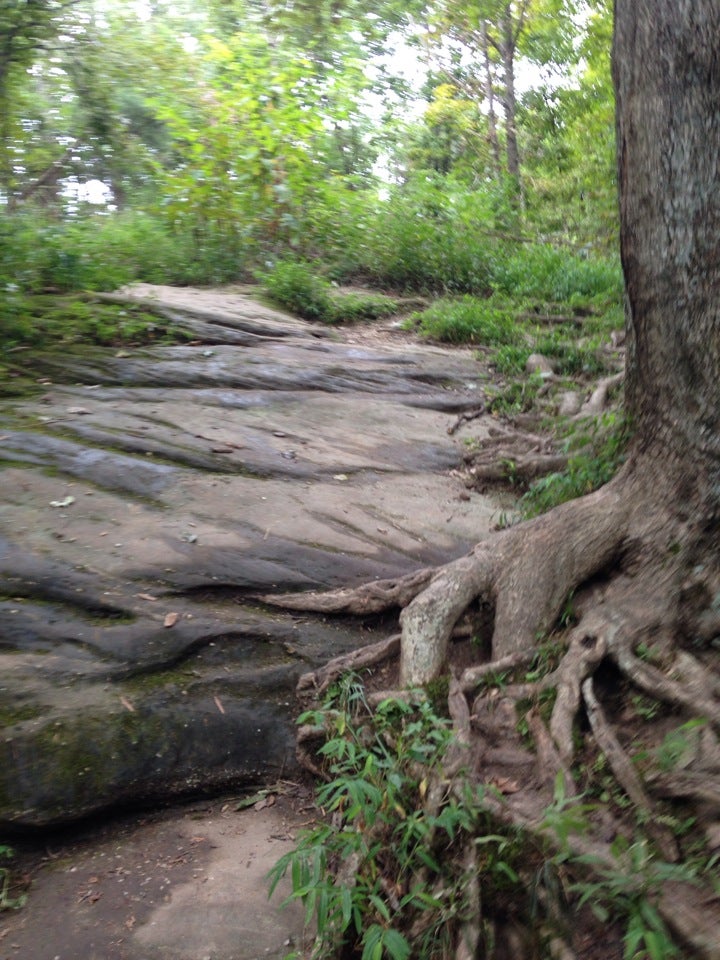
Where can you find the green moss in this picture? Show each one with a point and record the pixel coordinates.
(11, 716)
(66, 764)
(175, 677)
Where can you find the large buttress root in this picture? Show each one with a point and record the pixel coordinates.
(522, 573)
(610, 550)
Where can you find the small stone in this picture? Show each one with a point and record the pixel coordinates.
(537, 363)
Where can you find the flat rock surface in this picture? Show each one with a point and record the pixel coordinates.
(150, 493)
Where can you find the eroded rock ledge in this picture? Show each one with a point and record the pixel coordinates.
(149, 494)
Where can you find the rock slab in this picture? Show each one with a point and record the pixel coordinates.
(150, 493)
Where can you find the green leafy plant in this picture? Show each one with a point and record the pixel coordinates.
(601, 453)
(385, 859)
(624, 888)
(7, 902)
(628, 890)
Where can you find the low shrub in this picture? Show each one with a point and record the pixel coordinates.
(387, 863)
(468, 320)
(295, 285)
(106, 251)
(556, 275)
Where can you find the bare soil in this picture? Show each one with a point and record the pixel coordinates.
(187, 883)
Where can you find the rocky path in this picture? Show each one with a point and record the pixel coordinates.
(149, 494)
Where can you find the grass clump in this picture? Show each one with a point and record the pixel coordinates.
(599, 453)
(468, 319)
(295, 285)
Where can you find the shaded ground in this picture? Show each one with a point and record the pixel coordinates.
(188, 884)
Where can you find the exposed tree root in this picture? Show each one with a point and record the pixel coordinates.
(466, 417)
(517, 453)
(368, 656)
(625, 772)
(598, 399)
(367, 599)
(609, 550)
(511, 454)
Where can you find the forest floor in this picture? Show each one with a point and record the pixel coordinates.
(183, 883)
(374, 452)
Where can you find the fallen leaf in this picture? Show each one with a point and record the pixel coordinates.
(126, 703)
(68, 501)
(142, 596)
(252, 800)
(82, 411)
(218, 704)
(122, 354)
(340, 476)
(130, 923)
(504, 784)
(171, 619)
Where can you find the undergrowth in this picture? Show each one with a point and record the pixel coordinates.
(295, 285)
(382, 875)
(7, 900)
(599, 444)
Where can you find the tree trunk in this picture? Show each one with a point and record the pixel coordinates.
(667, 78)
(507, 52)
(489, 91)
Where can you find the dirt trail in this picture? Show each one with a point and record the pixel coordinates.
(185, 884)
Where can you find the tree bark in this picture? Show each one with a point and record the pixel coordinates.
(507, 52)
(490, 98)
(666, 66)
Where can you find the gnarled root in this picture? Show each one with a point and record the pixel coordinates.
(511, 454)
(367, 599)
(610, 549)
